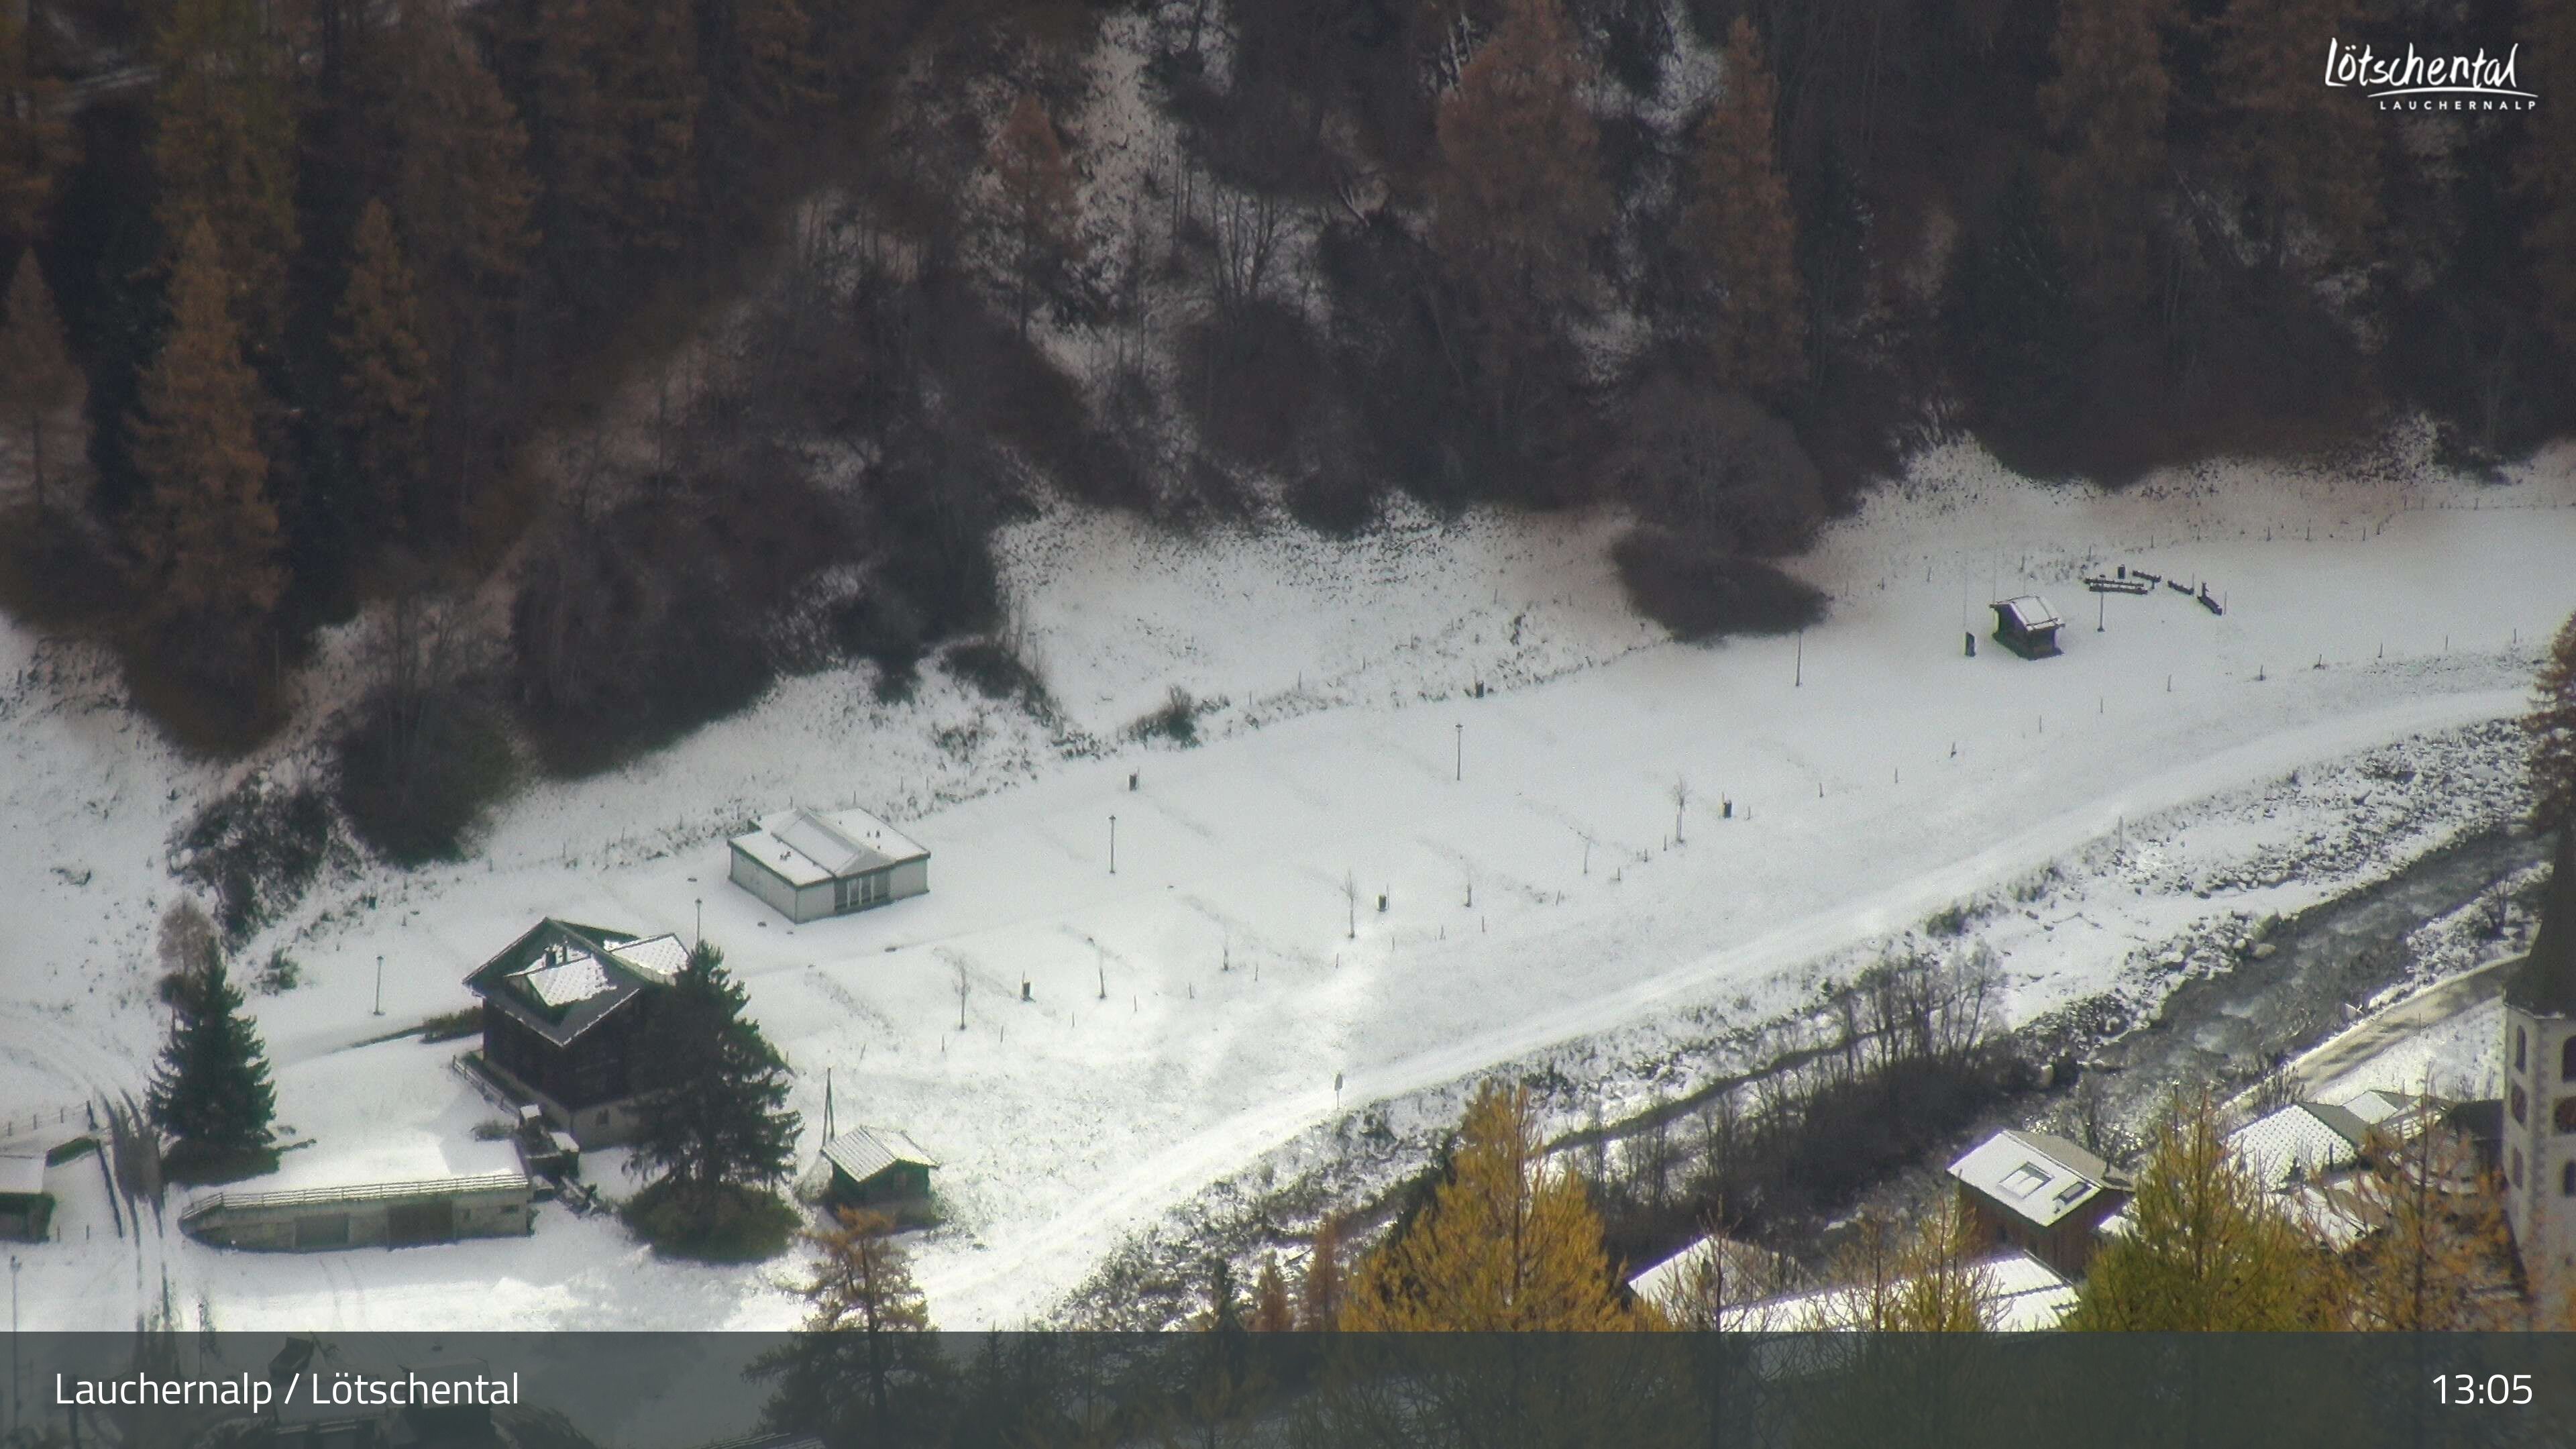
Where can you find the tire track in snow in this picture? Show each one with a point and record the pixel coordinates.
(1014, 1282)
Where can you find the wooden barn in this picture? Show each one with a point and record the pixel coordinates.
(2027, 626)
(880, 1170)
(563, 1008)
(2041, 1193)
(808, 866)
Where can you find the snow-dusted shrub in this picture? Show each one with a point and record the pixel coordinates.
(1701, 592)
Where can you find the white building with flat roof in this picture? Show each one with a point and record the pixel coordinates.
(808, 865)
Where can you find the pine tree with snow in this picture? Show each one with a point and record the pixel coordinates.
(211, 1092)
(715, 1122)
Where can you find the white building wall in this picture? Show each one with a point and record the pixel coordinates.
(2538, 1207)
(751, 876)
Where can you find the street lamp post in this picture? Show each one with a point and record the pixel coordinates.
(380, 986)
(1113, 845)
(1462, 752)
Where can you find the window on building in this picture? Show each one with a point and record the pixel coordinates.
(2567, 1060)
(2563, 1116)
(2513, 1168)
(2518, 1045)
(2567, 1180)
(2024, 1180)
(2519, 1105)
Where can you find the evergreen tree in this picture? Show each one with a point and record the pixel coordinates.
(2545, 170)
(551, 72)
(37, 380)
(211, 1091)
(36, 142)
(223, 152)
(1506, 1244)
(651, 91)
(2295, 146)
(1736, 243)
(461, 193)
(2552, 728)
(385, 378)
(761, 66)
(2210, 1249)
(206, 537)
(2105, 111)
(714, 1093)
(2013, 316)
(1040, 213)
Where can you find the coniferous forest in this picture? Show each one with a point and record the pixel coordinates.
(611, 357)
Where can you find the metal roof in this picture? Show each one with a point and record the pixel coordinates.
(1741, 1262)
(561, 978)
(805, 848)
(505, 1180)
(2036, 1176)
(2028, 612)
(2298, 1142)
(22, 1176)
(863, 1152)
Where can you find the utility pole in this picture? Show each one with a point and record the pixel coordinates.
(13, 1342)
(1462, 752)
(380, 986)
(1799, 680)
(702, 920)
(1113, 845)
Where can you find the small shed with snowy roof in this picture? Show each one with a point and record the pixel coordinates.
(878, 1169)
(808, 865)
(563, 1008)
(2027, 626)
(2041, 1193)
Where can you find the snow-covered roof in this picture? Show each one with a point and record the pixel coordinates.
(1743, 1263)
(561, 978)
(2028, 612)
(661, 958)
(22, 1176)
(2384, 1109)
(863, 1152)
(805, 848)
(2297, 1142)
(2028, 1296)
(2038, 1177)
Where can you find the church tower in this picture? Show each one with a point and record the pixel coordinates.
(2540, 1084)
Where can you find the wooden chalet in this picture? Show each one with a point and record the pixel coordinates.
(2040, 1193)
(563, 1009)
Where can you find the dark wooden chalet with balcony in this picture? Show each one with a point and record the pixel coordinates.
(563, 1009)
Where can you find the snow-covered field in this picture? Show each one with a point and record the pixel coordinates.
(1877, 776)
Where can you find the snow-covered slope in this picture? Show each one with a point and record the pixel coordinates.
(1194, 1009)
